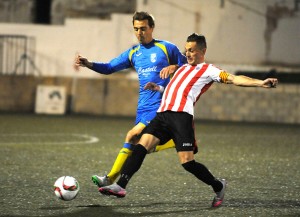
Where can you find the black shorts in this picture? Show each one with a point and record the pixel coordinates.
(173, 125)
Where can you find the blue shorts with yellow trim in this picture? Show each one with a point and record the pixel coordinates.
(145, 117)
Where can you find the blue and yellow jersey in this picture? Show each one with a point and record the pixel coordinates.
(148, 60)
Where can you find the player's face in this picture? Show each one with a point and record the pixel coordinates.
(143, 31)
(193, 54)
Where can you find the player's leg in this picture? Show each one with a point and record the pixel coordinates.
(185, 143)
(202, 173)
(133, 164)
(125, 152)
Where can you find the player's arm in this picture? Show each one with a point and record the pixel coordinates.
(177, 59)
(241, 80)
(167, 71)
(119, 63)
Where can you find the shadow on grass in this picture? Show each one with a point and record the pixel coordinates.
(254, 203)
(110, 211)
(171, 209)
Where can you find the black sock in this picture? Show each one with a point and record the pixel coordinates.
(132, 165)
(202, 173)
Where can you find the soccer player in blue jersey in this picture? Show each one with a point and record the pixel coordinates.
(154, 61)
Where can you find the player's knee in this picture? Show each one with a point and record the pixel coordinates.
(132, 137)
(129, 135)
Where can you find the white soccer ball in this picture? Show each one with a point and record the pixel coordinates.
(66, 188)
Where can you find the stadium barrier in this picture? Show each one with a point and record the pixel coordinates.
(117, 96)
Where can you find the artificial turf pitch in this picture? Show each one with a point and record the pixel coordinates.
(260, 161)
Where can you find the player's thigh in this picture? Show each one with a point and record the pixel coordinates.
(137, 129)
(134, 133)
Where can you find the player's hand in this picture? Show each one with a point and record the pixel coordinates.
(151, 86)
(81, 61)
(167, 71)
(270, 83)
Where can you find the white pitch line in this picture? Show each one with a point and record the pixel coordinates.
(87, 138)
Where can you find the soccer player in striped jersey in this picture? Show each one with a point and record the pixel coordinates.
(174, 119)
(154, 61)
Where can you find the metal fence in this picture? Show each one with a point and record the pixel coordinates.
(17, 55)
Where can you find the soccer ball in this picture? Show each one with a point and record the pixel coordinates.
(66, 188)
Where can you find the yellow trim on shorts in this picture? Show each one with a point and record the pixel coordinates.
(140, 123)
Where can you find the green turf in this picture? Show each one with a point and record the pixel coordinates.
(260, 161)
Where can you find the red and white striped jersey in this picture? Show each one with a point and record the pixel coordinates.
(187, 85)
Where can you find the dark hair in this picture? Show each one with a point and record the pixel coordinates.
(144, 16)
(199, 39)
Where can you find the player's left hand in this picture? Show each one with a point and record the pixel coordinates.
(76, 64)
(167, 71)
(270, 83)
(151, 86)
(81, 61)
